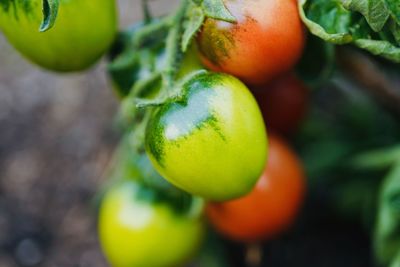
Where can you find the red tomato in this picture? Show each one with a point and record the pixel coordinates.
(266, 40)
(272, 205)
(283, 103)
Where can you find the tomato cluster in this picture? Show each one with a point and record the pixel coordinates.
(211, 140)
(204, 131)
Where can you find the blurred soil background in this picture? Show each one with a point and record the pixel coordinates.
(56, 139)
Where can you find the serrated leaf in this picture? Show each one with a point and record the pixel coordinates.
(50, 10)
(193, 24)
(374, 11)
(394, 8)
(216, 9)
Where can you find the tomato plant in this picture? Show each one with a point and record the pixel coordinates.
(138, 228)
(211, 140)
(272, 205)
(83, 31)
(266, 40)
(283, 103)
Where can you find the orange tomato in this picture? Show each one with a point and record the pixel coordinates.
(283, 103)
(266, 40)
(272, 205)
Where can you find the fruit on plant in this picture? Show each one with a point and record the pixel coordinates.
(137, 227)
(266, 40)
(83, 31)
(283, 103)
(211, 140)
(272, 205)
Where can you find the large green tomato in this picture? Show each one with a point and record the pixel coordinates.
(83, 31)
(211, 141)
(137, 228)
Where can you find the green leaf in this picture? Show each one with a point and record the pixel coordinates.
(378, 159)
(366, 24)
(380, 48)
(192, 26)
(374, 11)
(216, 9)
(327, 20)
(50, 10)
(395, 29)
(396, 261)
(394, 8)
(387, 231)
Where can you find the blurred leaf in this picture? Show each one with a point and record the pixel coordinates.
(394, 8)
(387, 231)
(379, 159)
(396, 261)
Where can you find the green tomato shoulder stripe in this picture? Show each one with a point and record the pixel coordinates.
(179, 119)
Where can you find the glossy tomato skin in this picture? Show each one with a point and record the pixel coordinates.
(272, 205)
(266, 40)
(138, 230)
(283, 103)
(211, 141)
(83, 31)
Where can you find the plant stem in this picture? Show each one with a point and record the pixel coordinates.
(146, 11)
(173, 52)
(150, 30)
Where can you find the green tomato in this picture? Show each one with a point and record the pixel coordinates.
(137, 228)
(211, 141)
(83, 31)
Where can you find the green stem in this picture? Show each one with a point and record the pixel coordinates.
(150, 30)
(128, 109)
(173, 52)
(140, 132)
(146, 11)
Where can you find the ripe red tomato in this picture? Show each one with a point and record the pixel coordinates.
(283, 103)
(272, 205)
(266, 40)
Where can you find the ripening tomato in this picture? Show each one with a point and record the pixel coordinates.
(83, 31)
(266, 40)
(211, 140)
(272, 205)
(138, 227)
(283, 103)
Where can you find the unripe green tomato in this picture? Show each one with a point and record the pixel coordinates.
(83, 31)
(137, 229)
(211, 141)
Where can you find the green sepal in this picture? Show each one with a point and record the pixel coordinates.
(50, 11)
